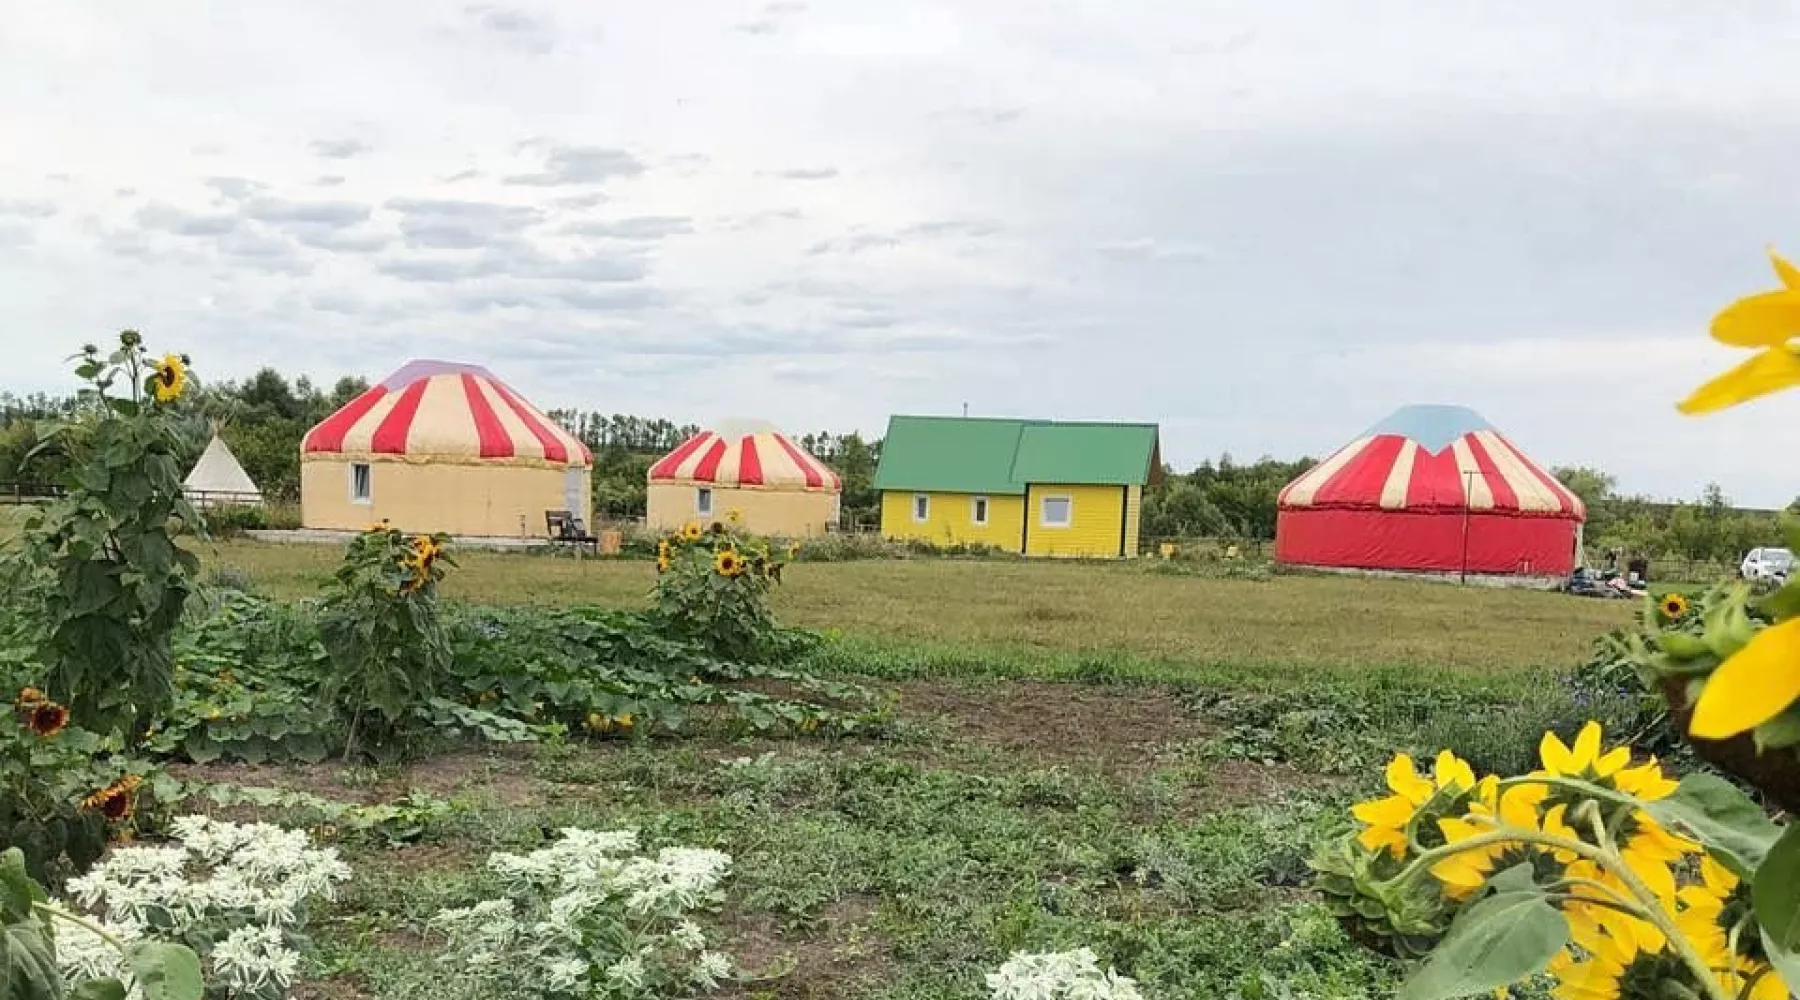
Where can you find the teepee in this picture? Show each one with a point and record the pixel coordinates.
(218, 478)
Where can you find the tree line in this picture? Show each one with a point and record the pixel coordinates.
(263, 418)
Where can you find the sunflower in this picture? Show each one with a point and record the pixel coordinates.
(1645, 846)
(1620, 968)
(425, 551)
(664, 564)
(169, 378)
(29, 696)
(1770, 321)
(1708, 914)
(793, 550)
(1387, 818)
(1673, 606)
(376, 527)
(692, 531)
(734, 515)
(664, 550)
(1755, 685)
(46, 718)
(717, 528)
(116, 801)
(1519, 807)
(728, 563)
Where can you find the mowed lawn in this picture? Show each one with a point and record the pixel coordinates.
(1290, 624)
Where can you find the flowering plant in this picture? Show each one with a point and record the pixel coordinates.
(1607, 874)
(237, 895)
(713, 584)
(590, 917)
(1064, 975)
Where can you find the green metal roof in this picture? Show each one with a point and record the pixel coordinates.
(984, 455)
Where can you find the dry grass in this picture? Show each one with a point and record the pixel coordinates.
(1063, 608)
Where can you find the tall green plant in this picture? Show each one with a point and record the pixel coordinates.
(380, 625)
(713, 585)
(111, 580)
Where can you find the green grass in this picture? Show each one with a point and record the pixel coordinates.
(1076, 619)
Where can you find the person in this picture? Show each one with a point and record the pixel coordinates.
(1638, 570)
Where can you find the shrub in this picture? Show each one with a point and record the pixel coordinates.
(588, 916)
(232, 520)
(712, 585)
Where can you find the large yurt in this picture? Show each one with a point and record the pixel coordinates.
(438, 446)
(748, 467)
(1431, 489)
(218, 478)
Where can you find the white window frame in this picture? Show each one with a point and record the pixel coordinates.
(980, 509)
(703, 501)
(367, 496)
(1044, 510)
(921, 508)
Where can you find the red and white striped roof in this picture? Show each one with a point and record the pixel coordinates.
(1432, 458)
(445, 410)
(757, 457)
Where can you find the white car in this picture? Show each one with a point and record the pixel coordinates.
(1766, 565)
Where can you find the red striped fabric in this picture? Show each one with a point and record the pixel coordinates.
(329, 434)
(749, 462)
(1566, 500)
(1436, 482)
(552, 445)
(709, 462)
(495, 442)
(807, 465)
(390, 436)
(1363, 476)
(1504, 496)
(666, 468)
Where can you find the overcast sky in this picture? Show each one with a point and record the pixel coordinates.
(1261, 225)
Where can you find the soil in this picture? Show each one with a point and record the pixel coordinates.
(833, 957)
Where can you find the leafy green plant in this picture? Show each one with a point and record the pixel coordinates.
(108, 575)
(712, 586)
(387, 647)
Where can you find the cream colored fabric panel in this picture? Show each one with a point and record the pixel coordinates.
(1480, 496)
(443, 423)
(1301, 492)
(1530, 491)
(358, 437)
(1393, 491)
(524, 442)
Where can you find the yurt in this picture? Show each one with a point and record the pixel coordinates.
(748, 467)
(217, 478)
(1431, 489)
(439, 446)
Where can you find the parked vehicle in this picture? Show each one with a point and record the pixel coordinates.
(1767, 565)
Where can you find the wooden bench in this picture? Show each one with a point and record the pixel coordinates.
(565, 528)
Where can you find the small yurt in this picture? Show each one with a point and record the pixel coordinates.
(217, 478)
(1431, 489)
(439, 446)
(748, 467)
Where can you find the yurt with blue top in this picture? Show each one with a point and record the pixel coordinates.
(1431, 489)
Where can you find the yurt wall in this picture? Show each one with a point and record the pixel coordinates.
(489, 501)
(787, 514)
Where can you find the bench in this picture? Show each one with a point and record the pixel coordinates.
(565, 528)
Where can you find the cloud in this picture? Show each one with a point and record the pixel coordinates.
(535, 265)
(971, 228)
(757, 220)
(15, 236)
(340, 149)
(522, 262)
(637, 227)
(773, 18)
(854, 243)
(28, 209)
(460, 225)
(514, 28)
(579, 201)
(328, 180)
(322, 213)
(263, 252)
(180, 222)
(581, 165)
(809, 173)
(235, 187)
(457, 178)
(440, 269)
(1145, 248)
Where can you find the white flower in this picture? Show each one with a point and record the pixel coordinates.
(711, 967)
(251, 958)
(688, 934)
(1068, 975)
(627, 972)
(81, 954)
(565, 974)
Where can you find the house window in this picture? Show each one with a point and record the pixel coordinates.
(921, 508)
(703, 501)
(1057, 511)
(979, 514)
(361, 484)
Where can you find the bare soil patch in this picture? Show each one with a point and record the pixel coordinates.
(838, 955)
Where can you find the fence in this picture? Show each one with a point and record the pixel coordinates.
(19, 494)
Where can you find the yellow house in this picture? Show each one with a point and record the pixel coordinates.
(1036, 487)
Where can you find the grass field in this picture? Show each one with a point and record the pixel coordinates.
(1051, 618)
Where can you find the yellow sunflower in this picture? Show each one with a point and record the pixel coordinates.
(734, 515)
(46, 718)
(1518, 807)
(1770, 321)
(1709, 911)
(1386, 819)
(29, 696)
(1645, 846)
(1673, 606)
(1755, 685)
(663, 564)
(170, 378)
(728, 563)
(692, 531)
(664, 550)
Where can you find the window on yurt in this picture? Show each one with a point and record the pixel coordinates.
(979, 514)
(361, 486)
(921, 507)
(703, 500)
(1057, 511)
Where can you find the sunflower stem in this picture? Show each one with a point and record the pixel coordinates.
(57, 913)
(1655, 914)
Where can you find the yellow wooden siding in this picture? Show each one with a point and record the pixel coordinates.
(951, 519)
(1134, 507)
(1094, 521)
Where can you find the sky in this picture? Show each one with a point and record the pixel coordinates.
(1262, 226)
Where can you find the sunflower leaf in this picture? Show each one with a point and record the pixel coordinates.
(1496, 941)
(1716, 813)
(1776, 897)
(1781, 731)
